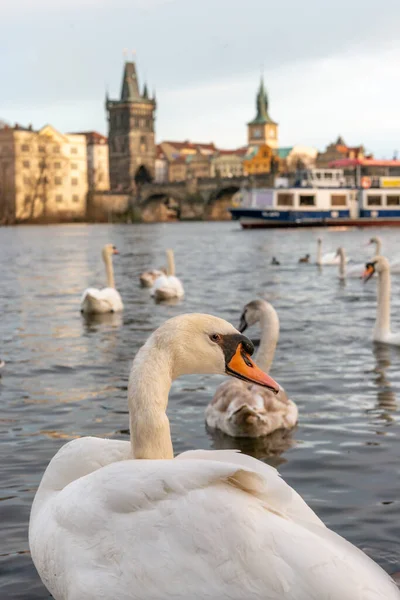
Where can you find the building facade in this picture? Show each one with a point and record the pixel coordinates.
(339, 150)
(97, 161)
(131, 137)
(161, 166)
(228, 163)
(258, 160)
(262, 129)
(43, 174)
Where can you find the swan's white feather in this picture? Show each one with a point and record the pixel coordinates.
(167, 286)
(204, 525)
(101, 301)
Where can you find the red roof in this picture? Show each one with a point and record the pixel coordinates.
(92, 137)
(191, 145)
(239, 151)
(363, 162)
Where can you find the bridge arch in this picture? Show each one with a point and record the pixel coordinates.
(219, 202)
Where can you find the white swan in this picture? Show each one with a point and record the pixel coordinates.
(382, 332)
(394, 265)
(168, 286)
(345, 271)
(148, 278)
(107, 299)
(330, 258)
(207, 524)
(241, 409)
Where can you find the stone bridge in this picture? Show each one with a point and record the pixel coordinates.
(207, 199)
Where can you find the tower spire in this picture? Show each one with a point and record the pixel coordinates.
(130, 86)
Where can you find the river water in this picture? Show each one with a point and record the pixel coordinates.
(66, 376)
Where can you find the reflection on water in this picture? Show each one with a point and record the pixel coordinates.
(269, 447)
(386, 395)
(66, 375)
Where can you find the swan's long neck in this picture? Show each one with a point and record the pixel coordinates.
(170, 263)
(378, 246)
(382, 324)
(319, 252)
(109, 271)
(149, 384)
(342, 264)
(269, 338)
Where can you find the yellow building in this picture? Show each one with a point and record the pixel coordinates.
(43, 174)
(262, 130)
(258, 160)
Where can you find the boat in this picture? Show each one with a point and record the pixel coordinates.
(320, 197)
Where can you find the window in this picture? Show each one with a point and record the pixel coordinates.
(25, 148)
(27, 180)
(42, 164)
(26, 164)
(75, 198)
(42, 149)
(265, 154)
(374, 200)
(74, 166)
(74, 150)
(74, 181)
(58, 180)
(100, 177)
(59, 198)
(27, 200)
(285, 200)
(393, 200)
(306, 200)
(57, 165)
(56, 149)
(338, 200)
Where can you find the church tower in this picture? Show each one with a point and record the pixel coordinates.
(262, 129)
(132, 150)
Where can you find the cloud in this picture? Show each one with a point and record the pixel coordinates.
(322, 63)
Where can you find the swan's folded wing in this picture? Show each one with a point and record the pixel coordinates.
(268, 485)
(194, 529)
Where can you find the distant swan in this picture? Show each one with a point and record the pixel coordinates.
(241, 409)
(394, 264)
(148, 278)
(330, 258)
(206, 524)
(348, 271)
(107, 299)
(168, 286)
(382, 332)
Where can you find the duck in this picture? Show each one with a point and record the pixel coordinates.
(382, 332)
(168, 286)
(275, 261)
(108, 299)
(241, 409)
(148, 278)
(304, 259)
(330, 258)
(125, 519)
(394, 265)
(348, 271)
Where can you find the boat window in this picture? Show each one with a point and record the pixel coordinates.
(393, 200)
(338, 200)
(374, 200)
(306, 200)
(285, 200)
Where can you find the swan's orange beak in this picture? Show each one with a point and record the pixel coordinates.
(242, 367)
(369, 271)
(115, 251)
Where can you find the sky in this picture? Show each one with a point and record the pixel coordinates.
(329, 68)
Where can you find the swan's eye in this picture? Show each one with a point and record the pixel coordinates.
(215, 337)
